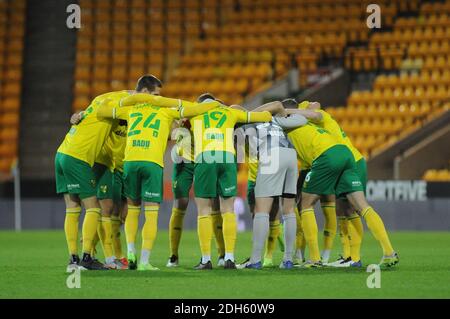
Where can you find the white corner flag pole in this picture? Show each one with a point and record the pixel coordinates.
(17, 201)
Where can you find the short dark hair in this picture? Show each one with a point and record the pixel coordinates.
(289, 103)
(149, 82)
(204, 97)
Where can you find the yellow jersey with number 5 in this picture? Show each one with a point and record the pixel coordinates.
(85, 140)
(148, 131)
(330, 124)
(310, 141)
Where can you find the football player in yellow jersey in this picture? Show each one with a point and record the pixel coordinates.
(351, 228)
(77, 181)
(215, 174)
(182, 180)
(333, 171)
(149, 120)
(108, 193)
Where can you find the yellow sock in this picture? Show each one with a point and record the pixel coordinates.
(132, 223)
(117, 244)
(329, 229)
(229, 231)
(355, 232)
(175, 229)
(309, 225)
(204, 231)
(300, 243)
(106, 236)
(90, 224)
(274, 232)
(97, 237)
(343, 233)
(71, 229)
(150, 227)
(217, 222)
(376, 226)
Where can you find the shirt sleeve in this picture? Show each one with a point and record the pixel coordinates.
(155, 100)
(109, 109)
(173, 113)
(290, 122)
(253, 117)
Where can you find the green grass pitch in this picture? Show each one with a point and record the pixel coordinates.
(33, 266)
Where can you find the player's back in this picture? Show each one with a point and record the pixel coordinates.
(310, 141)
(148, 131)
(85, 140)
(213, 130)
(330, 124)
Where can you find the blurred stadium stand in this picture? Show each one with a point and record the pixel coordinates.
(12, 30)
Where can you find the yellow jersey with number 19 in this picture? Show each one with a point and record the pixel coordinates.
(310, 141)
(85, 140)
(213, 130)
(330, 124)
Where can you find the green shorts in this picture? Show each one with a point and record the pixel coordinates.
(251, 192)
(143, 181)
(361, 169)
(74, 176)
(333, 172)
(219, 178)
(118, 187)
(182, 179)
(105, 180)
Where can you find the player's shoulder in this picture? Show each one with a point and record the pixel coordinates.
(112, 95)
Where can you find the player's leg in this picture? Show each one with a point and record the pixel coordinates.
(118, 207)
(290, 229)
(351, 185)
(274, 231)
(229, 229)
(89, 230)
(182, 179)
(73, 210)
(132, 186)
(309, 225)
(176, 228)
(81, 181)
(342, 206)
(205, 189)
(204, 231)
(356, 229)
(217, 223)
(328, 205)
(260, 230)
(300, 245)
(149, 231)
(227, 190)
(251, 204)
(355, 235)
(152, 195)
(105, 189)
(288, 160)
(300, 241)
(376, 227)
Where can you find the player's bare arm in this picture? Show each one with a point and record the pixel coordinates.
(275, 108)
(309, 114)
